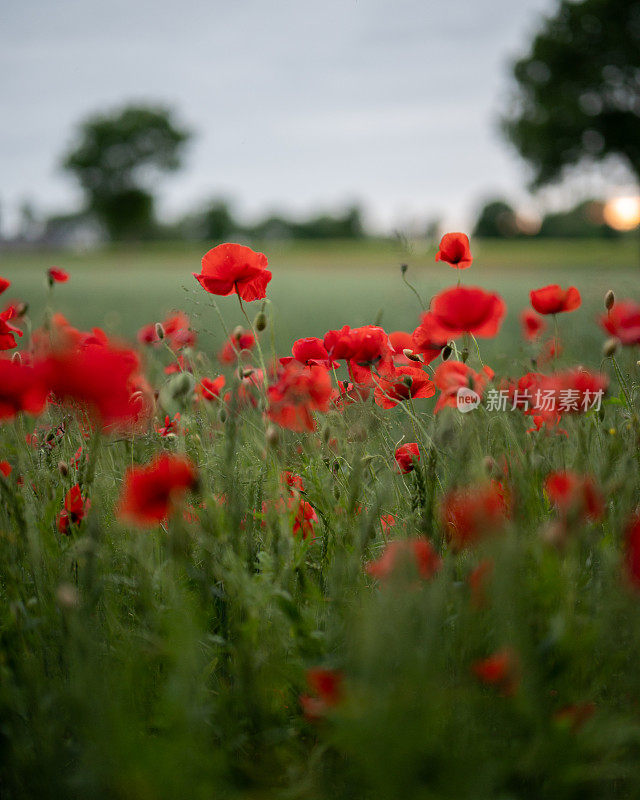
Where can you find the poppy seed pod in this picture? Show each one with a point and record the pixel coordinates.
(260, 322)
(610, 347)
(159, 331)
(464, 355)
(609, 300)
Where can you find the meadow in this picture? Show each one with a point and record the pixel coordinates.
(232, 576)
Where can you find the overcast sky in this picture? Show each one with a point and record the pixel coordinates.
(296, 105)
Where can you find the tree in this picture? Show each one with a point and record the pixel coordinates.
(117, 159)
(578, 90)
(496, 220)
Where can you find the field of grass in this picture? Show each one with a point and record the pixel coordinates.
(276, 594)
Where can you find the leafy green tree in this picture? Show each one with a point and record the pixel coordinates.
(496, 220)
(578, 89)
(117, 159)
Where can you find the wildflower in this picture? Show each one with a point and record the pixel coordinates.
(407, 456)
(310, 352)
(473, 512)
(387, 521)
(57, 275)
(554, 300)
(292, 481)
(209, 390)
(21, 390)
(477, 579)
(465, 309)
(239, 340)
(150, 492)
(5, 468)
(304, 519)
(234, 269)
(327, 686)
(451, 376)
(170, 427)
(8, 332)
(500, 670)
(417, 552)
(623, 322)
(74, 509)
(454, 250)
(400, 341)
(4, 285)
(532, 324)
(428, 339)
(297, 392)
(402, 383)
(575, 495)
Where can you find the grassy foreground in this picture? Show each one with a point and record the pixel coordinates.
(267, 639)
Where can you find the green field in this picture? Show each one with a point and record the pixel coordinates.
(317, 286)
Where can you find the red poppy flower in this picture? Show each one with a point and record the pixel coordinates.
(178, 332)
(171, 426)
(623, 322)
(554, 300)
(57, 275)
(327, 686)
(466, 309)
(292, 481)
(242, 340)
(297, 392)
(387, 521)
(348, 393)
(417, 552)
(21, 389)
(150, 492)
(532, 324)
(5, 468)
(364, 345)
(478, 578)
(4, 285)
(576, 390)
(500, 670)
(454, 250)
(428, 339)
(74, 509)
(632, 550)
(304, 520)
(473, 512)
(451, 376)
(310, 351)
(400, 384)
(407, 456)
(234, 269)
(209, 390)
(399, 342)
(8, 332)
(575, 495)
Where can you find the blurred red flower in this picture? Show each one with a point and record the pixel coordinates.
(500, 670)
(5, 468)
(21, 389)
(450, 376)
(8, 332)
(4, 285)
(623, 322)
(209, 389)
(473, 512)
(407, 455)
(454, 250)
(297, 392)
(240, 340)
(428, 338)
(151, 491)
(57, 275)
(234, 269)
(575, 495)
(327, 686)
(465, 309)
(418, 553)
(401, 383)
(532, 324)
(310, 352)
(74, 509)
(554, 300)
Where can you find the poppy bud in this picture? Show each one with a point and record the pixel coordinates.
(326, 434)
(247, 373)
(404, 268)
(159, 331)
(464, 355)
(182, 384)
(222, 415)
(446, 352)
(260, 322)
(408, 381)
(272, 436)
(237, 332)
(16, 358)
(63, 469)
(609, 300)
(411, 355)
(609, 347)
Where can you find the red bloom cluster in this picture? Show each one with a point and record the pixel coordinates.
(298, 392)
(21, 389)
(234, 269)
(150, 492)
